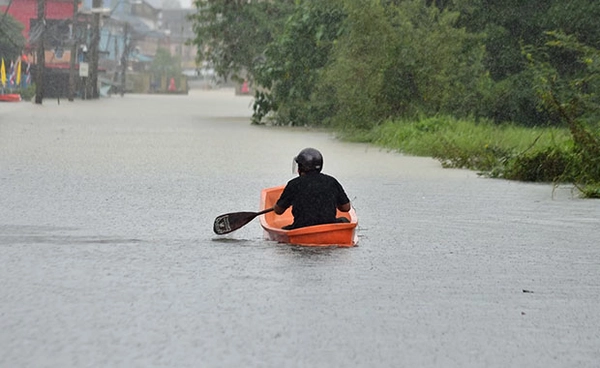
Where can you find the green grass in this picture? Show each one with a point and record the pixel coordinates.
(500, 151)
(465, 144)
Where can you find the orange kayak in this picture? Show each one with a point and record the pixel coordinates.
(338, 234)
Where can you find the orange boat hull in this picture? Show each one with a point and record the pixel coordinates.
(338, 234)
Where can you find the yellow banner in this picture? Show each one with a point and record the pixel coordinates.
(3, 72)
(19, 73)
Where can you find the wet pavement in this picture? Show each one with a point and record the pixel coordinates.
(109, 260)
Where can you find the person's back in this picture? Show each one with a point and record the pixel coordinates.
(314, 196)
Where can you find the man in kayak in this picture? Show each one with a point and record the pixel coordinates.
(314, 196)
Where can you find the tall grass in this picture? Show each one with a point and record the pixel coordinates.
(500, 151)
(481, 146)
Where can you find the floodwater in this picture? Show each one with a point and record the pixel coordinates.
(108, 259)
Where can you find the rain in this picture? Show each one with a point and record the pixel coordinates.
(111, 178)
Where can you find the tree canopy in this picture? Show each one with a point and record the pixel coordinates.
(356, 63)
(12, 41)
(232, 35)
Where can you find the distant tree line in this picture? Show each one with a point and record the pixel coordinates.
(352, 64)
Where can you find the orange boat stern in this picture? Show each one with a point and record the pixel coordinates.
(338, 234)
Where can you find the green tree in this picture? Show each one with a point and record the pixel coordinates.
(165, 65)
(403, 60)
(442, 61)
(12, 41)
(353, 63)
(232, 35)
(293, 62)
(506, 25)
(578, 18)
(509, 24)
(358, 64)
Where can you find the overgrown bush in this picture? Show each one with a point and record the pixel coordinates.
(549, 165)
(557, 165)
(28, 92)
(574, 96)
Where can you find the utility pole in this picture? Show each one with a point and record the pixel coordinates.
(124, 58)
(40, 54)
(93, 80)
(73, 53)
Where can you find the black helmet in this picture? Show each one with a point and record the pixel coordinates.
(309, 159)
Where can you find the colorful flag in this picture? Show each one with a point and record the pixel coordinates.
(11, 79)
(27, 74)
(19, 72)
(3, 73)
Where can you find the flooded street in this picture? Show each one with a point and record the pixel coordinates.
(108, 258)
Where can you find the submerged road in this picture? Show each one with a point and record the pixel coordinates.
(108, 258)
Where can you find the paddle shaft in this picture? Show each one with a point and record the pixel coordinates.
(229, 222)
(265, 211)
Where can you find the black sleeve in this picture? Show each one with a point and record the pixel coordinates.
(341, 197)
(287, 196)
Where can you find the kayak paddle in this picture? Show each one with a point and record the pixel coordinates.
(229, 222)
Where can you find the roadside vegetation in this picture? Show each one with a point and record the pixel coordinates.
(499, 151)
(12, 41)
(508, 89)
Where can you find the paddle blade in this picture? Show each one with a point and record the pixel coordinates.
(229, 222)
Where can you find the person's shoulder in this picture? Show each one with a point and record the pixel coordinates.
(329, 177)
(293, 182)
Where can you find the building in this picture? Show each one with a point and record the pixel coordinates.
(57, 36)
(180, 30)
(130, 33)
